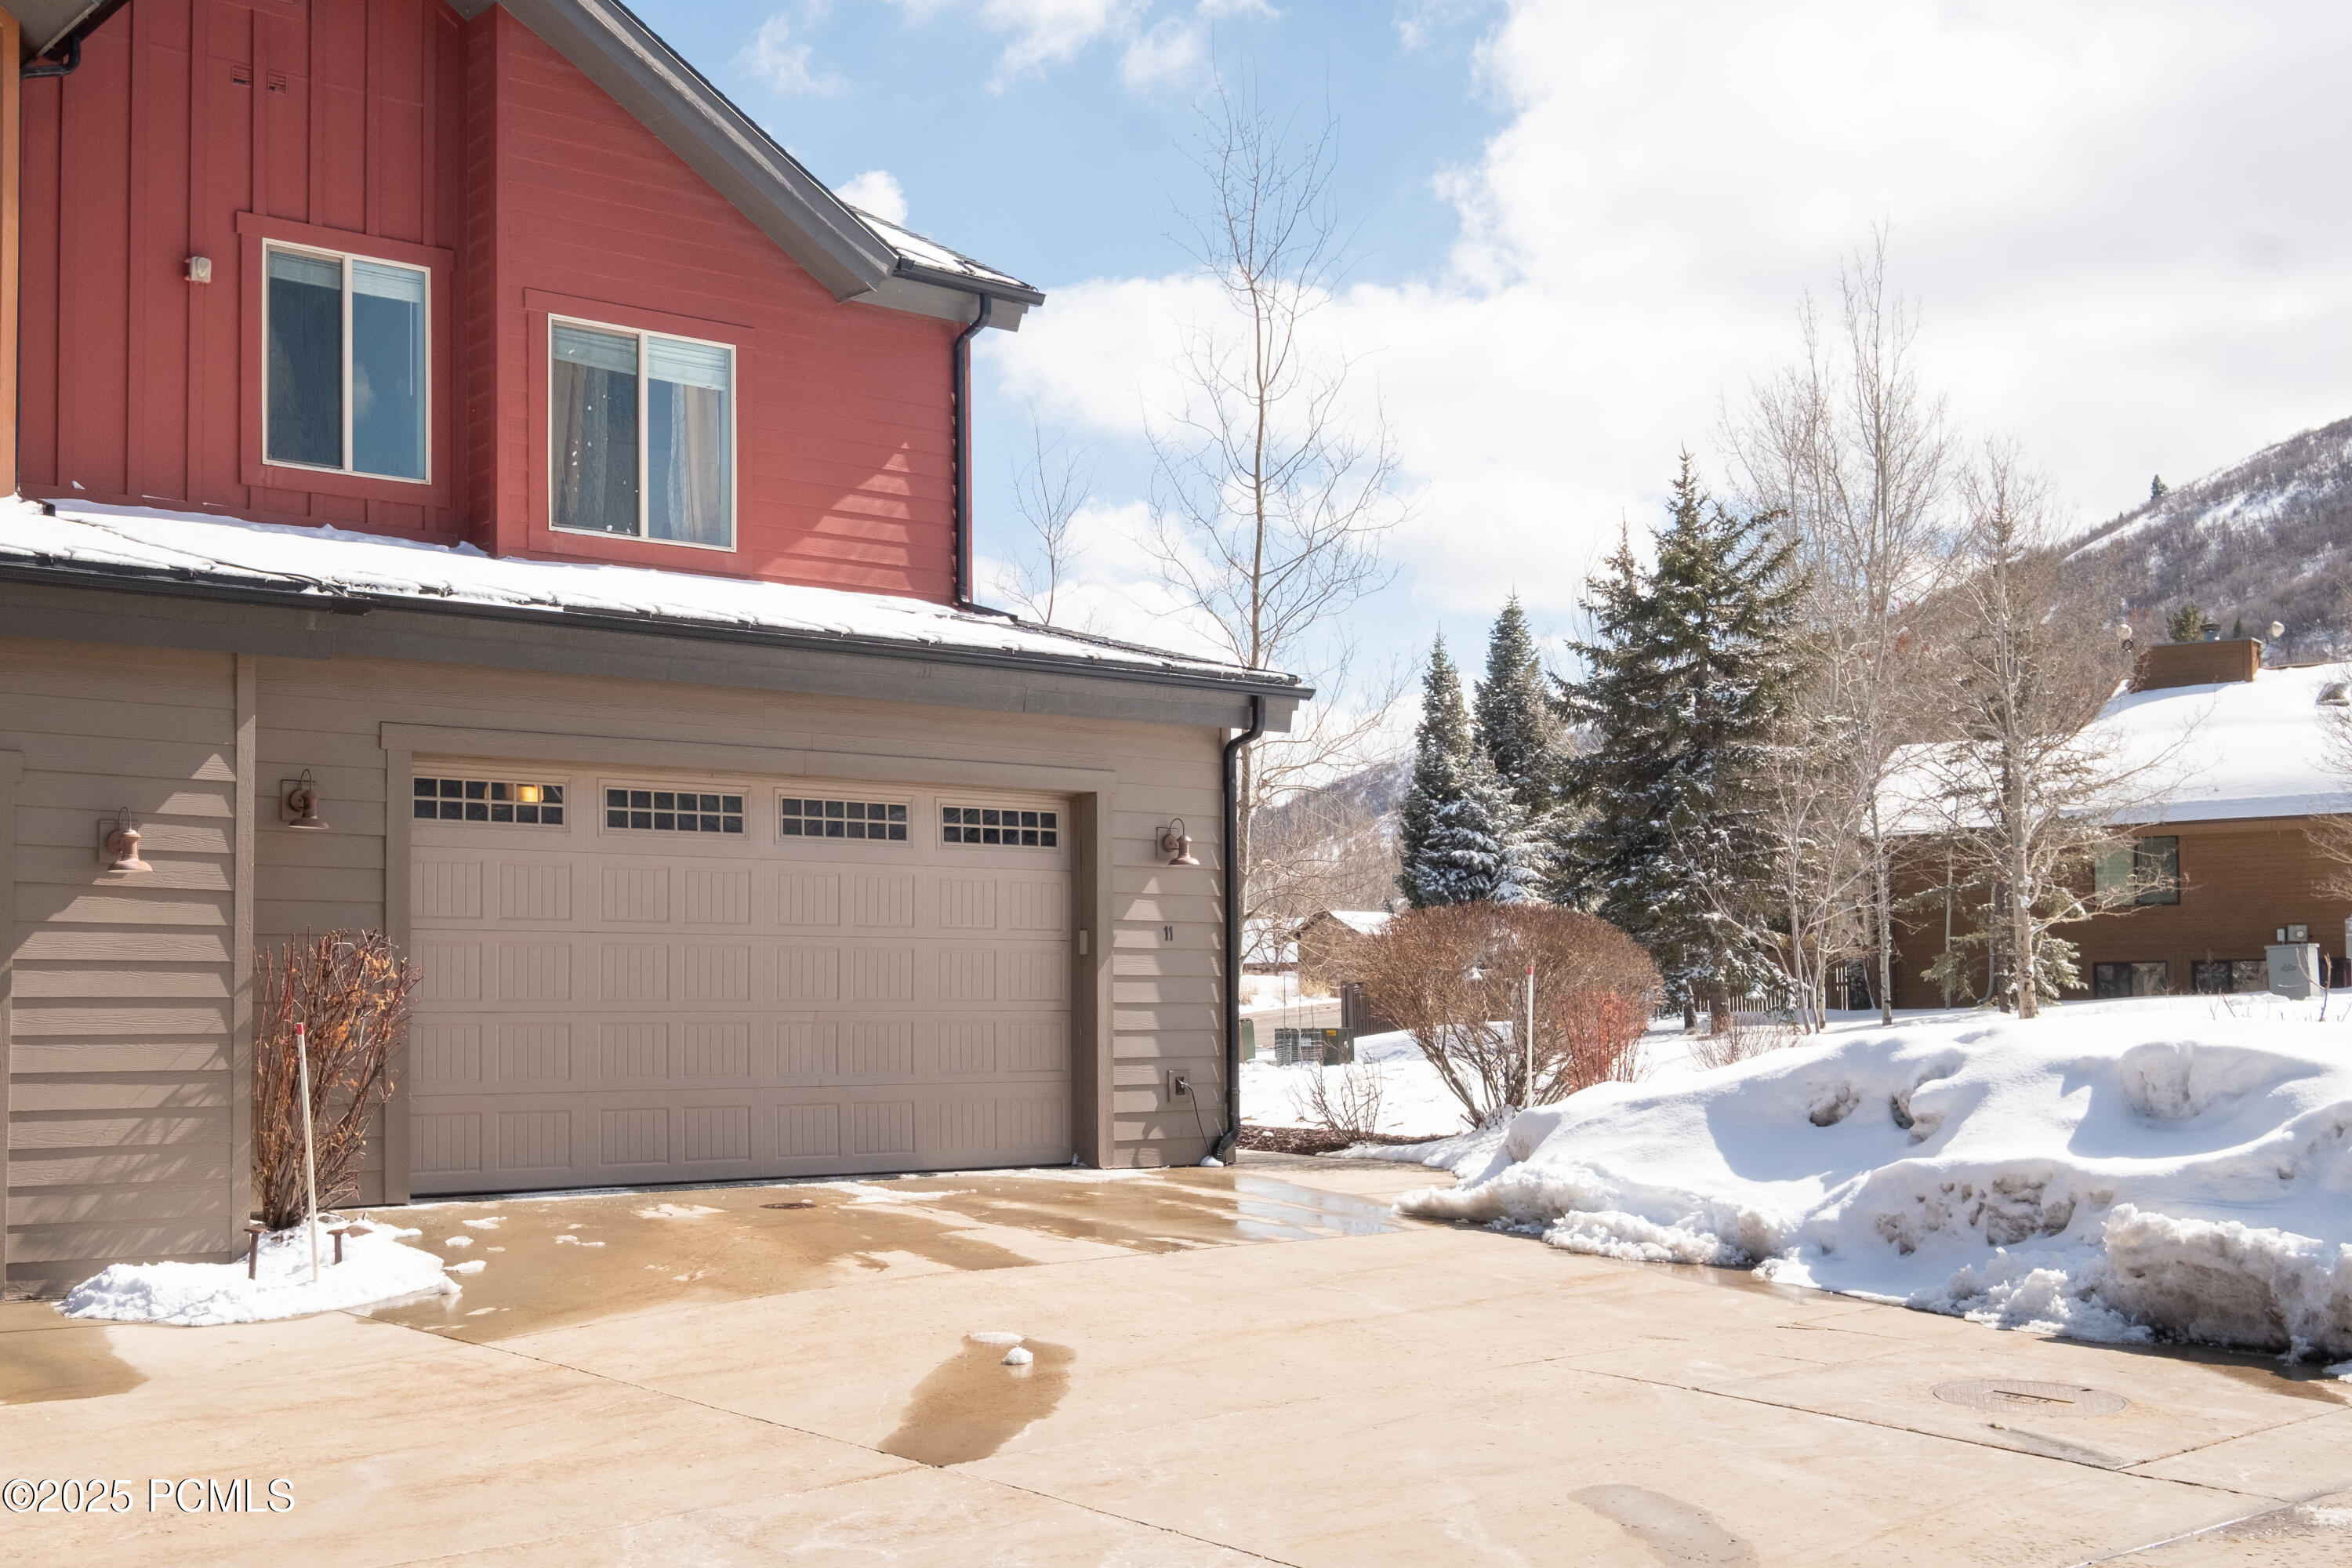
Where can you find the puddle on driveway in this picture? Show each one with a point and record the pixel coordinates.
(972, 1404)
(1676, 1532)
(38, 1365)
(556, 1262)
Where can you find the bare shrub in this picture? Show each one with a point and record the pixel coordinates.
(1345, 1098)
(1454, 977)
(1742, 1035)
(351, 992)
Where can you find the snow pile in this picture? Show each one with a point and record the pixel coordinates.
(2115, 1171)
(376, 1268)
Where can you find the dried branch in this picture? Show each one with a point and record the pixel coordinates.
(350, 991)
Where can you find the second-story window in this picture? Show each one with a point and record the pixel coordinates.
(642, 434)
(345, 379)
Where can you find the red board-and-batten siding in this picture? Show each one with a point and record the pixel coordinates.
(201, 127)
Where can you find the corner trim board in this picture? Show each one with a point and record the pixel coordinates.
(12, 770)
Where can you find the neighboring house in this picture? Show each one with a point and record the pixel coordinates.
(1324, 939)
(2236, 774)
(463, 408)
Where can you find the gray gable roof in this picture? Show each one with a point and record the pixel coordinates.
(853, 255)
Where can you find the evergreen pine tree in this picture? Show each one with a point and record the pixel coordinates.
(1517, 722)
(1465, 838)
(1689, 664)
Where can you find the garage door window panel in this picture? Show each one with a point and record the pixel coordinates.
(800, 816)
(1007, 827)
(672, 811)
(440, 799)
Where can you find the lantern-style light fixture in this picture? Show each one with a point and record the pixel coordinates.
(1177, 844)
(118, 845)
(302, 802)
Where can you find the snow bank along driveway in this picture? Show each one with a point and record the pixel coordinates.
(2121, 1173)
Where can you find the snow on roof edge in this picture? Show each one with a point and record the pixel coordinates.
(131, 543)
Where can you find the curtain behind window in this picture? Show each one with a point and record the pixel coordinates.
(305, 417)
(687, 438)
(592, 389)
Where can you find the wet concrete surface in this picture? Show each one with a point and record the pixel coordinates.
(556, 1262)
(972, 1404)
(44, 1357)
(1675, 1531)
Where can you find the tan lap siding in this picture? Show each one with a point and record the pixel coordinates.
(1165, 993)
(120, 1111)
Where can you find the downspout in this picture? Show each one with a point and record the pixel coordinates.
(93, 16)
(960, 370)
(66, 67)
(1224, 1149)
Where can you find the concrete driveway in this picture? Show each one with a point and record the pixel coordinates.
(1236, 1367)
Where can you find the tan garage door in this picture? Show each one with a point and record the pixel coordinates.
(632, 980)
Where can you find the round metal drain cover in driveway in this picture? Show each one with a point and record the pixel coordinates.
(2035, 1398)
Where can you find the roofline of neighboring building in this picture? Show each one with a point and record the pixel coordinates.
(662, 89)
(196, 584)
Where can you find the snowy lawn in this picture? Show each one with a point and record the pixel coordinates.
(2174, 1167)
(376, 1268)
(1414, 1102)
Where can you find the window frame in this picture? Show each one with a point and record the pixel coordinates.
(424, 379)
(645, 491)
(2139, 865)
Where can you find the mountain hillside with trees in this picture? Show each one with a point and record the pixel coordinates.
(2269, 538)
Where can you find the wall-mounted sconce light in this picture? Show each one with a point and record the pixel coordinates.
(1177, 844)
(118, 845)
(300, 798)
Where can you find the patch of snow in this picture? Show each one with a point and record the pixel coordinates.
(994, 1337)
(1017, 1356)
(1212, 1160)
(868, 1193)
(2167, 1167)
(677, 1211)
(490, 1224)
(456, 1241)
(567, 1239)
(376, 1268)
(473, 1266)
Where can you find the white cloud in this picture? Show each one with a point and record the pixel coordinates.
(1170, 51)
(2116, 218)
(1156, 49)
(788, 67)
(879, 191)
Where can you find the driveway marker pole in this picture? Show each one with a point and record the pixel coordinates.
(310, 1150)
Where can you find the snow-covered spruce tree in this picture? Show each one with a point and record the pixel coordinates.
(1464, 838)
(1688, 665)
(1517, 724)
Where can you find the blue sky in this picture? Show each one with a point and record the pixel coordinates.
(1584, 229)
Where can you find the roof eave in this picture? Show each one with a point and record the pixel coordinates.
(205, 585)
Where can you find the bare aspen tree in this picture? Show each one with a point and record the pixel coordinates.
(2033, 783)
(1807, 909)
(1048, 489)
(1272, 488)
(2331, 835)
(1857, 455)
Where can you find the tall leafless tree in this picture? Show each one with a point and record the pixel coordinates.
(2031, 784)
(1858, 456)
(1048, 489)
(1273, 485)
